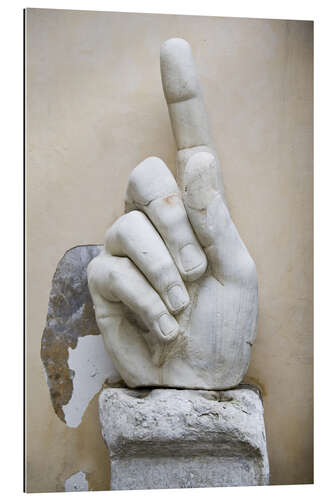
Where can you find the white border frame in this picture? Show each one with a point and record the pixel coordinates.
(12, 228)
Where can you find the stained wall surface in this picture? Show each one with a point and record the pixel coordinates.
(95, 109)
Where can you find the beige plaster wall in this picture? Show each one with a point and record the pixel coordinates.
(95, 109)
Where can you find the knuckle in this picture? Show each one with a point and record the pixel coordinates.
(109, 237)
(93, 270)
(129, 225)
(126, 222)
(123, 227)
(150, 180)
(172, 211)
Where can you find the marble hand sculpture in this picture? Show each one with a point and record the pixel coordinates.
(175, 289)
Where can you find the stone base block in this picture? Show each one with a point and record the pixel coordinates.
(170, 438)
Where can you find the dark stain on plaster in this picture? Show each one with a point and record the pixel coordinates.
(70, 316)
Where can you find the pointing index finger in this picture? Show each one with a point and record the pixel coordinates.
(183, 95)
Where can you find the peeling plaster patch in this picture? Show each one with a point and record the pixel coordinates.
(77, 482)
(70, 316)
(70, 319)
(91, 365)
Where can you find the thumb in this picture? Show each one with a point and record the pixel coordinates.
(211, 221)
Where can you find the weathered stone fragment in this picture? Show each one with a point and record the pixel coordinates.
(169, 438)
(70, 317)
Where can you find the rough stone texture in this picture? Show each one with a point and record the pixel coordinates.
(70, 316)
(169, 438)
(77, 482)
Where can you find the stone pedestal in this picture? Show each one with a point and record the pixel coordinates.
(169, 438)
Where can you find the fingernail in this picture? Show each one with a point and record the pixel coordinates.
(168, 324)
(178, 297)
(191, 257)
